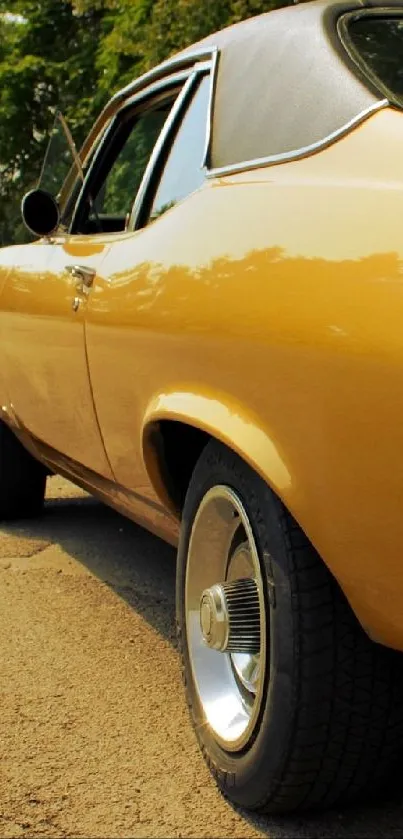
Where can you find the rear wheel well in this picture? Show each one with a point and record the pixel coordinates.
(180, 446)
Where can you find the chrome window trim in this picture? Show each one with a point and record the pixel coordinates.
(183, 61)
(210, 111)
(189, 77)
(200, 67)
(153, 90)
(297, 154)
(354, 54)
(182, 65)
(160, 145)
(150, 92)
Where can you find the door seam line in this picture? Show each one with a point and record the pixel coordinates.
(93, 401)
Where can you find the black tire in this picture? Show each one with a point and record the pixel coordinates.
(22, 479)
(331, 722)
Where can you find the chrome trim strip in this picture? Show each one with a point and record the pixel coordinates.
(285, 157)
(209, 125)
(148, 93)
(166, 81)
(157, 74)
(158, 148)
(180, 62)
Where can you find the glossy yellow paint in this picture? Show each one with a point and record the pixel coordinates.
(266, 309)
(43, 349)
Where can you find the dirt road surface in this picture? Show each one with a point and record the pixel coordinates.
(94, 734)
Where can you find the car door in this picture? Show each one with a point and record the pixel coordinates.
(44, 349)
(124, 341)
(46, 297)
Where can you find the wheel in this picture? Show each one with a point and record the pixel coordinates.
(22, 479)
(293, 706)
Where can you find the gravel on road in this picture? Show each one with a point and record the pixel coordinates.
(95, 739)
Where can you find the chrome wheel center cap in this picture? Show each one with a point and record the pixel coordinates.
(230, 617)
(214, 620)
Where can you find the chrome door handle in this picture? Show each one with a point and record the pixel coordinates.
(84, 276)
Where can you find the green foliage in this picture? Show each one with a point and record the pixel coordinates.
(125, 176)
(73, 55)
(47, 60)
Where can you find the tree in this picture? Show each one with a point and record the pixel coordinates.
(47, 61)
(141, 33)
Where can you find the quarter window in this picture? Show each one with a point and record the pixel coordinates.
(183, 173)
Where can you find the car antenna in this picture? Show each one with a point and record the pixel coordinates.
(71, 143)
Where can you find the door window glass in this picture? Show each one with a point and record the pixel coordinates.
(118, 171)
(120, 187)
(183, 173)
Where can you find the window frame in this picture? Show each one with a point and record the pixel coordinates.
(343, 28)
(70, 190)
(108, 152)
(154, 172)
(185, 80)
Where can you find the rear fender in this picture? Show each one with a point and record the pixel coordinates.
(225, 421)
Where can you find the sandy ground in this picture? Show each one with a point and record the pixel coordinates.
(94, 735)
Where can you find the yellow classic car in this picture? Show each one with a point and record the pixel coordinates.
(207, 334)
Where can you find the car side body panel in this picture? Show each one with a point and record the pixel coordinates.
(267, 309)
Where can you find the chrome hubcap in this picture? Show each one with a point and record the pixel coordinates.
(230, 617)
(225, 617)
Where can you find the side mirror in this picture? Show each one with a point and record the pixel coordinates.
(40, 212)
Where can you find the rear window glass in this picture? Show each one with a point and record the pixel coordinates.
(379, 43)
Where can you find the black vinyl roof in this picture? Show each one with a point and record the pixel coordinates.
(285, 82)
